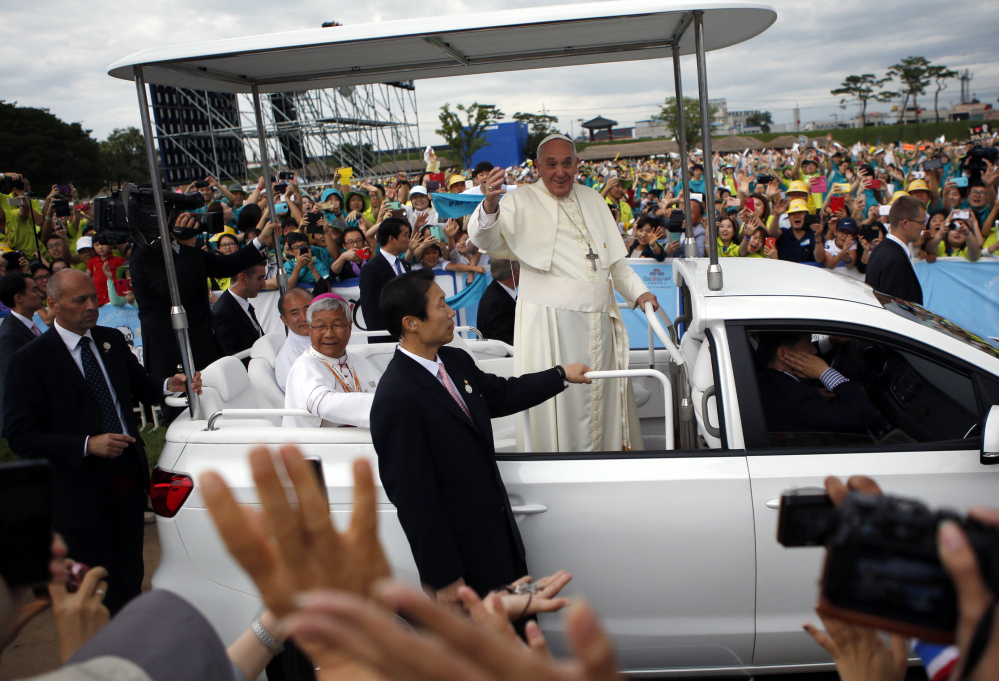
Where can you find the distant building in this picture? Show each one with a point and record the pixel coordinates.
(612, 134)
(973, 111)
(505, 145)
(651, 129)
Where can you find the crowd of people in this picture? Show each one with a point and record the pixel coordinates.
(823, 205)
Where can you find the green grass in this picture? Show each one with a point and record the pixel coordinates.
(154, 439)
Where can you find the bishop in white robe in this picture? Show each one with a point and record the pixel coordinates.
(572, 261)
(336, 386)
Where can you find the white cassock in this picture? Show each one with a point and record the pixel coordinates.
(566, 311)
(293, 347)
(337, 392)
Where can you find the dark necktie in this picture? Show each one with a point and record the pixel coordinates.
(256, 324)
(398, 267)
(95, 378)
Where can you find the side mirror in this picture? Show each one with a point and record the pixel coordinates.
(990, 438)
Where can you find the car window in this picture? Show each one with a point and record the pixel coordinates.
(878, 392)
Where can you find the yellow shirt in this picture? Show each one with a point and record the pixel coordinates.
(731, 252)
(627, 215)
(959, 253)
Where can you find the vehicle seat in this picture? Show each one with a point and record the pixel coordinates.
(263, 356)
(702, 380)
(379, 354)
(225, 385)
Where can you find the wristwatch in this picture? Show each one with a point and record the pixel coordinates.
(265, 638)
(560, 370)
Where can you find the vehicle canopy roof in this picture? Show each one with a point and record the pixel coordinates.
(434, 47)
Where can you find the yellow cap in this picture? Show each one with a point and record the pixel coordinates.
(918, 185)
(454, 179)
(898, 194)
(227, 230)
(797, 206)
(798, 186)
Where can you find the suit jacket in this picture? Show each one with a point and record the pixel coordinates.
(236, 331)
(497, 310)
(792, 406)
(14, 335)
(890, 271)
(373, 277)
(50, 410)
(439, 468)
(160, 349)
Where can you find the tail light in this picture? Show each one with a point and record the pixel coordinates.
(169, 491)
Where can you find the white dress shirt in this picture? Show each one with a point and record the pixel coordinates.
(391, 260)
(433, 367)
(904, 246)
(27, 322)
(511, 291)
(245, 304)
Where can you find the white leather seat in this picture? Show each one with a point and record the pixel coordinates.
(702, 380)
(263, 355)
(225, 385)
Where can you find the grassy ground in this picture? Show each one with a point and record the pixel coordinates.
(154, 439)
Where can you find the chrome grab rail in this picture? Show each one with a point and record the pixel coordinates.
(250, 413)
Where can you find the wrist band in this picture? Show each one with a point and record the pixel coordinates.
(265, 638)
(560, 370)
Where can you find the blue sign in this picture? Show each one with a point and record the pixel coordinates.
(505, 143)
(658, 276)
(966, 293)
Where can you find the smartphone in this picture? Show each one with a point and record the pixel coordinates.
(437, 233)
(13, 259)
(771, 242)
(327, 205)
(961, 214)
(281, 208)
(870, 233)
(961, 181)
(66, 189)
(286, 175)
(917, 175)
(841, 187)
(883, 211)
(751, 204)
(345, 176)
(818, 185)
(837, 203)
(363, 253)
(433, 186)
(933, 164)
(25, 523)
(61, 208)
(74, 576)
(877, 184)
(317, 467)
(394, 205)
(82, 207)
(398, 213)
(122, 286)
(280, 187)
(765, 179)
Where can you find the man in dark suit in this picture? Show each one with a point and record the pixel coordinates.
(21, 294)
(498, 305)
(890, 269)
(792, 406)
(430, 424)
(393, 237)
(69, 400)
(235, 318)
(194, 266)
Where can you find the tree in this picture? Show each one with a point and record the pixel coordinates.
(541, 125)
(123, 158)
(691, 117)
(863, 89)
(47, 150)
(761, 119)
(466, 138)
(913, 75)
(941, 74)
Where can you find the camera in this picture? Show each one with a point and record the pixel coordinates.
(61, 208)
(201, 184)
(882, 568)
(131, 210)
(286, 175)
(765, 179)
(676, 219)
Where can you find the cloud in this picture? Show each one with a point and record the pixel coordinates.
(60, 62)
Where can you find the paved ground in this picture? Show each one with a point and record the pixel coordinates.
(36, 651)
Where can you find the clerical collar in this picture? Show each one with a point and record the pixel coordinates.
(320, 356)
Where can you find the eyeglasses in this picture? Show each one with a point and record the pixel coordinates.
(336, 326)
(978, 192)
(41, 277)
(354, 242)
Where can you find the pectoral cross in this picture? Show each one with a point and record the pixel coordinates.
(592, 257)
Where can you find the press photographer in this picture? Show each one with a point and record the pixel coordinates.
(193, 265)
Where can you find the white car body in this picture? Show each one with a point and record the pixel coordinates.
(676, 550)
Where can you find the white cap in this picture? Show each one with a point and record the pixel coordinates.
(84, 242)
(418, 189)
(557, 136)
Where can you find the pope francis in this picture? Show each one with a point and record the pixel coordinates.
(572, 260)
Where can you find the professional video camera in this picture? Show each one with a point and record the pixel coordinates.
(882, 567)
(132, 211)
(975, 161)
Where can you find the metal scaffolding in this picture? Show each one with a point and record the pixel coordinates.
(313, 132)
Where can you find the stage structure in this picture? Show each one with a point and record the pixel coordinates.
(314, 132)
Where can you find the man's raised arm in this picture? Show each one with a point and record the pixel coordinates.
(484, 225)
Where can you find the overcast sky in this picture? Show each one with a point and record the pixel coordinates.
(55, 55)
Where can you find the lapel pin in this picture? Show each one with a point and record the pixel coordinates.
(107, 346)
(371, 383)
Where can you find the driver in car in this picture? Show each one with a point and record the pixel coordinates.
(791, 405)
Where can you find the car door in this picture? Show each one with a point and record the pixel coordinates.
(660, 543)
(941, 472)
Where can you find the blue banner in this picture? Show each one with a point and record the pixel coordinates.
(124, 318)
(966, 293)
(658, 276)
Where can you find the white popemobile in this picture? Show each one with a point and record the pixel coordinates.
(674, 546)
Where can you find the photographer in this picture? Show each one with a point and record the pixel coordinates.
(193, 266)
(304, 264)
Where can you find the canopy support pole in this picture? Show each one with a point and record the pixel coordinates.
(714, 269)
(178, 316)
(265, 172)
(690, 245)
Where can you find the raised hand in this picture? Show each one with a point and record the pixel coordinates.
(493, 190)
